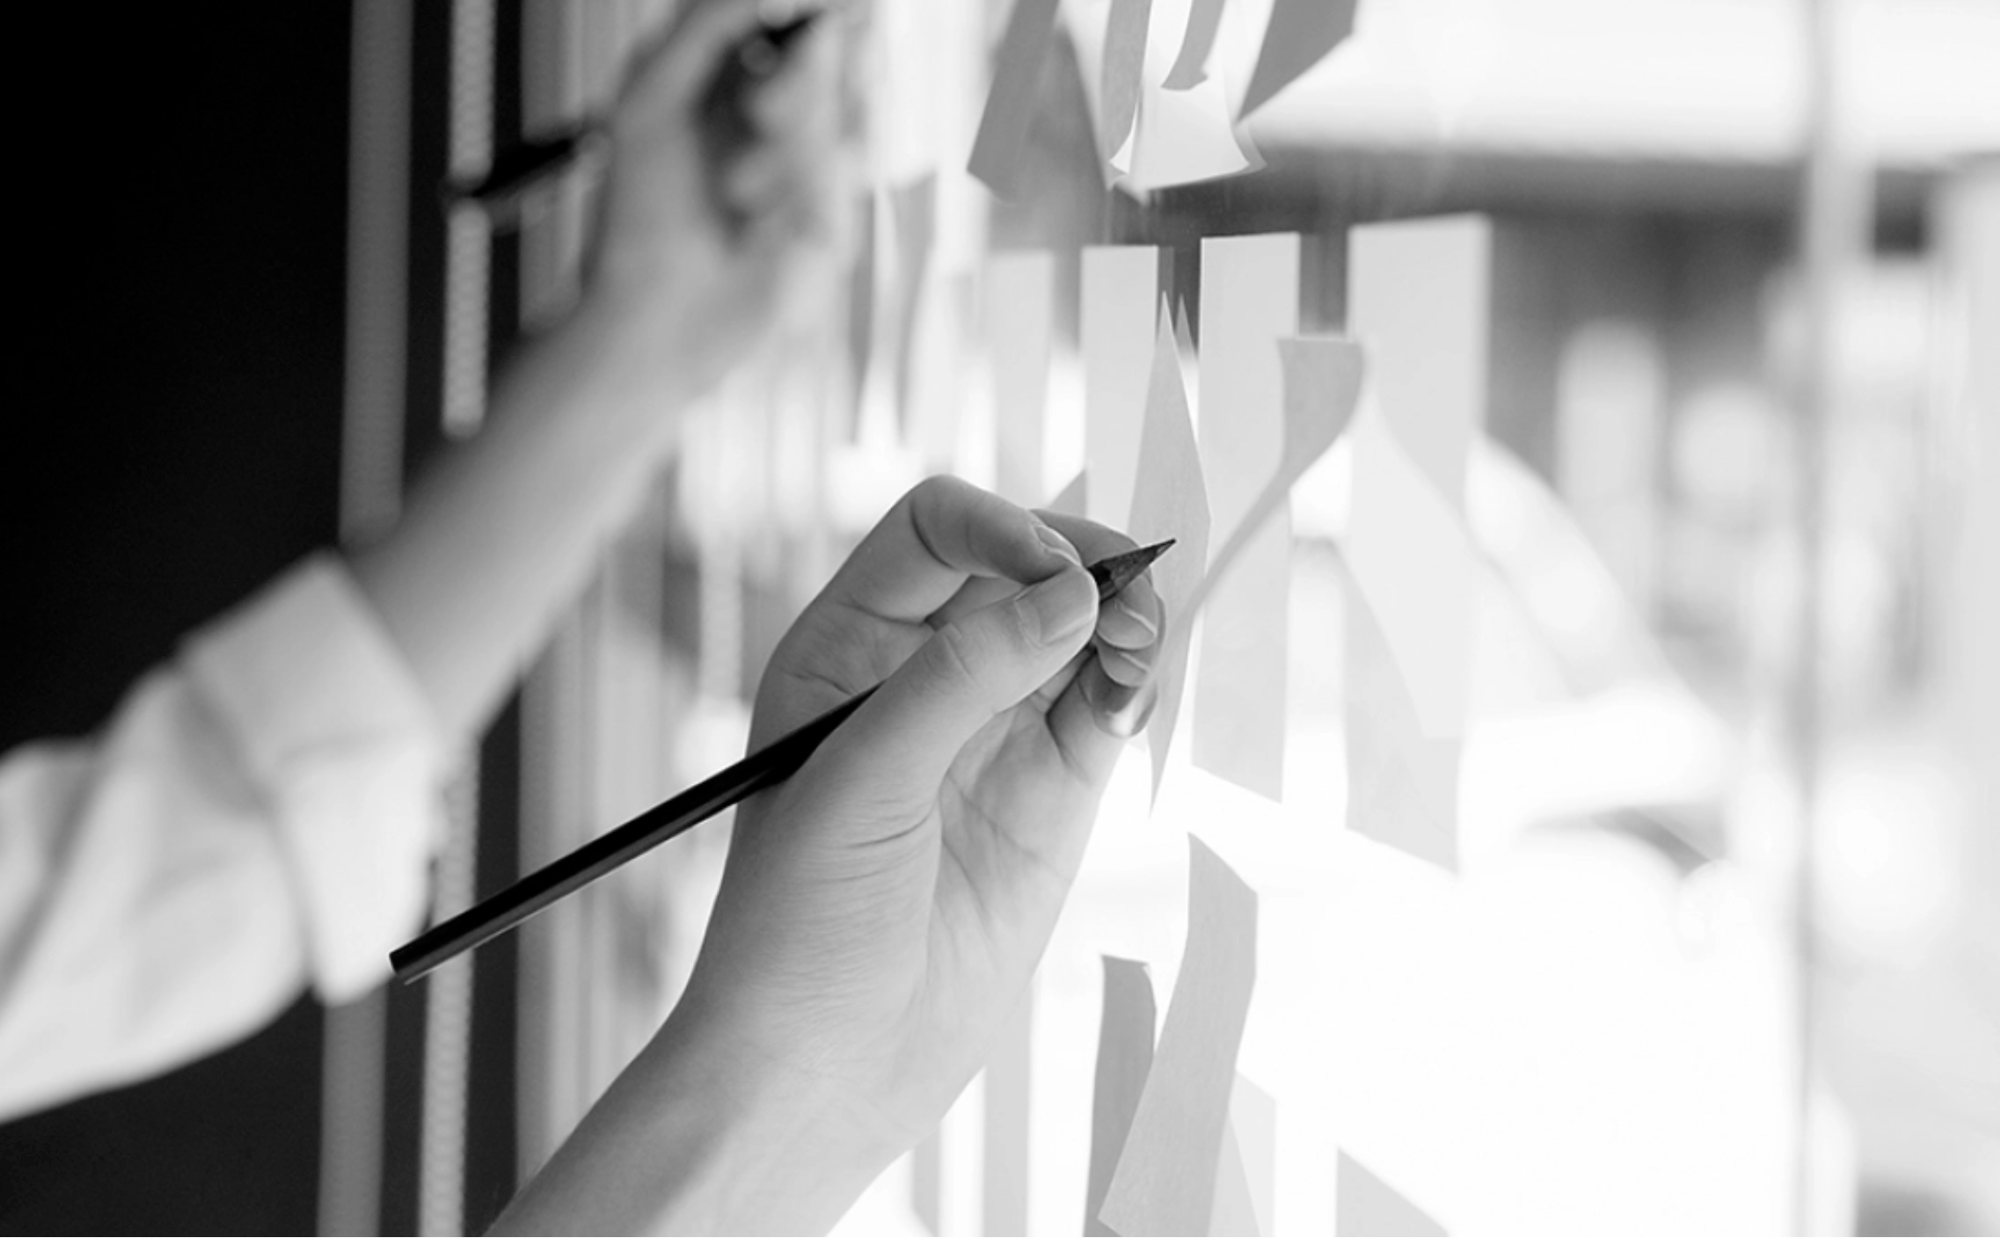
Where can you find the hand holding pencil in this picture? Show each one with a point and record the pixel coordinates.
(723, 197)
(883, 909)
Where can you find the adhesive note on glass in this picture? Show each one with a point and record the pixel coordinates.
(1184, 137)
(1019, 319)
(1410, 557)
(1402, 785)
(1121, 302)
(1073, 498)
(1232, 1212)
(1204, 20)
(1300, 35)
(861, 297)
(1322, 387)
(1165, 1182)
(1245, 1172)
(912, 216)
(1004, 1176)
(1124, 1058)
(1418, 298)
(1368, 1205)
(927, 1182)
(1249, 301)
(1119, 79)
(959, 54)
(1253, 1116)
(1172, 502)
(936, 398)
(1001, 144)
(1322, 376)
(903, 141)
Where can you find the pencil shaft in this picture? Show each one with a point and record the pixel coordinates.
(490, 918)
(766, 767)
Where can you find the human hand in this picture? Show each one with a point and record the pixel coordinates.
(705, 221)
(883, 910)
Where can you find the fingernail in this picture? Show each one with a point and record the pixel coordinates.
(1061, 607)
(1145, 621)
(1057, 544)
(1136, 667)
(1132, 719)
(1118, 710)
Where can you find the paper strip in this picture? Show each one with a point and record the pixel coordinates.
(1301, 33)
(1402, 786)
(927, 1182)
(1253, 1115)
(1165, 1182)
(1249, 301)
(1172, 502)
(1119, 78)
(937, 397)
(1368, 1205)
(1418, 298)
(1004, 1199)
(1121, 301)
(1124, 1058)
(862, 295)
(913, 221)
(1233, 1212)
(1019, 313)
(1002, 140)
(1244, 1179)
(1322, 386)
(1072, 499)
(1204, 19)
(1185, 137)
(903, 134)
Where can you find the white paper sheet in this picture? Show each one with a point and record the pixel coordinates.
(1121, 303)
(1249, 301)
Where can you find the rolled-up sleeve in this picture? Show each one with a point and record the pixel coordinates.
(258, 814)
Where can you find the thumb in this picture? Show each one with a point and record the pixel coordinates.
(971, 670)
(672, 65)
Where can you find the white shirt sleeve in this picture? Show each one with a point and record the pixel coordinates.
(259, 813)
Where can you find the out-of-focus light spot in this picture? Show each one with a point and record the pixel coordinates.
(1729, 454)
(1888, 858)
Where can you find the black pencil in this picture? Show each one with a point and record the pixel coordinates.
(518, 170)
(766, 767)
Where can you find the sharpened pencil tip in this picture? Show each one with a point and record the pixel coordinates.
(1117, 571)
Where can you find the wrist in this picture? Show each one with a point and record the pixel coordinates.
(656, 334)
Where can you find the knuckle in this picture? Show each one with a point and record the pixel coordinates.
(935, 497)
(952, 658)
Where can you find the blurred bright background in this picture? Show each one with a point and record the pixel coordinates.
(1723, 953)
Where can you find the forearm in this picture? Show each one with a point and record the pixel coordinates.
(700, 1135)
(500, 533)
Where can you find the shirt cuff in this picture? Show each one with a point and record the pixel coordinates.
(334, 732)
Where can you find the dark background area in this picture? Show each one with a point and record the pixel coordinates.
(173, 443)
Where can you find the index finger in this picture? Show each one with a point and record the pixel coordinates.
(941, 534)
(681, 57)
